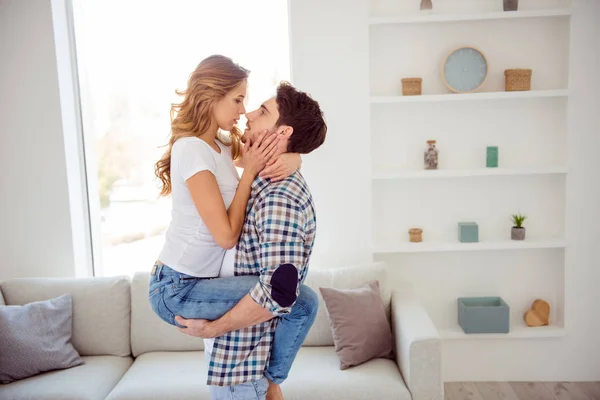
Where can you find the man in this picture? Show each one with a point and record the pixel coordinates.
(275, 244)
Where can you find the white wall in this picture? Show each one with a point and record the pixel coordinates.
(582, 272)
(329, 47)
(329, 41)
(35, 234)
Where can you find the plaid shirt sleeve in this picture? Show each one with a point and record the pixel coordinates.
(280, 224)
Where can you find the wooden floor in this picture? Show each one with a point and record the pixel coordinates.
(522, 391)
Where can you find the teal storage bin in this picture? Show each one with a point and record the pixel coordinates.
(468, 232)
(483, 315)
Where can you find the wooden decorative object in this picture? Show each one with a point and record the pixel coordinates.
(517, 80)
(539, 315)
(416, 234)
(411, 86)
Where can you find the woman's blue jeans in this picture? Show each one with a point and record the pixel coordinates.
(173, 293)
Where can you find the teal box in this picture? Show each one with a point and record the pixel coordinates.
(468, 232)
(483, 315)
(491, 158)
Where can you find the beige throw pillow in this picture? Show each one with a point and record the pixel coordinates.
(361, 331)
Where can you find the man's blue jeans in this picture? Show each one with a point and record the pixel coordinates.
(173, 293)
(243, 391)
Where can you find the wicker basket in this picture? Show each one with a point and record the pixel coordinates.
(517, 79)
(416, 234)
(411, 86)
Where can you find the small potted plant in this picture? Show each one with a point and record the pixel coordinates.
(518, 231)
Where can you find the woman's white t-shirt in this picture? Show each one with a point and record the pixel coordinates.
(189, 246)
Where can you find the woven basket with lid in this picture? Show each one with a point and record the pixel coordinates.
(411, 86)
(517, 79)
(415, 234)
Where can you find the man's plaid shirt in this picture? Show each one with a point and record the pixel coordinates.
(279, 229)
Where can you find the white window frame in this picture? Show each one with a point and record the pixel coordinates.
(75, 145)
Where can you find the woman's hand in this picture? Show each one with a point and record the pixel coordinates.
(257, 153)
(281, 167)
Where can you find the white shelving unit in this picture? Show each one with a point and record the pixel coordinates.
(518, 332)
(418, 19)
(415, 44)
(467, 173)
(426, 98)
(436, 247)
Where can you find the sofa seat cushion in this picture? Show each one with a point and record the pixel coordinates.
(316, 375)
(165, 375)
(93, 380)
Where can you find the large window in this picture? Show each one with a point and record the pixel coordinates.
(132, 55)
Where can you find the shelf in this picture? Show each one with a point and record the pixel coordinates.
(520, 332)
(469, 96)
(434, 247)
(466, 173)
(416, 19)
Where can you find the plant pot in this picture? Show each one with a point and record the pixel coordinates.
(511, 5)
(517, 233)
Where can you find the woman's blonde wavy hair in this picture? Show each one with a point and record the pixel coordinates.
(212, 79)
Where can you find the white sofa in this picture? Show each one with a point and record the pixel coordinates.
(131, 354)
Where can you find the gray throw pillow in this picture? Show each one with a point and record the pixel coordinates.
(361, 331)
(36, 338)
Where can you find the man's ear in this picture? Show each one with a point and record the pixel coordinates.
(285, 131)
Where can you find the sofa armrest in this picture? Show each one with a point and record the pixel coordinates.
(418, 346)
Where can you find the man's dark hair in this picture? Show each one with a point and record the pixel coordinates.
(298, 110)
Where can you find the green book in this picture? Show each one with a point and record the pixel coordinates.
(491, 159)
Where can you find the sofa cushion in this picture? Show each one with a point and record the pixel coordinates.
(101, 309)
(36, 338)
(92, 381)
(149, 332)
(343, 278)
(316, 375)
(361, 332)
(164, 376)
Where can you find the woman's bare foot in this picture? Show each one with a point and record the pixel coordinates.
(274, 392)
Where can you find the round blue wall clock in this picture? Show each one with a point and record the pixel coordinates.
(465, 70)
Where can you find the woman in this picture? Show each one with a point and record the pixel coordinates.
(209, 198)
